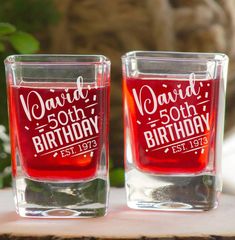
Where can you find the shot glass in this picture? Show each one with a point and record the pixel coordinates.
(59, 123)
(173, 129)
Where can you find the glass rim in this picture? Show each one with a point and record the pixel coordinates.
(57, 59)
(175, 56)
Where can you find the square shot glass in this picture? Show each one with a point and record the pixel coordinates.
(173, 129)
(59, 123)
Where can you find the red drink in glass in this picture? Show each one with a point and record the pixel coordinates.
(58, 117)
(57, 131)
(173, 129)
(176, 133)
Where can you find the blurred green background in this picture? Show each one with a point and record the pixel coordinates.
(112, 28)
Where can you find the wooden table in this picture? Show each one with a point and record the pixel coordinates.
(121, 222)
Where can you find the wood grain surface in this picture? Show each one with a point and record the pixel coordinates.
(122, 223)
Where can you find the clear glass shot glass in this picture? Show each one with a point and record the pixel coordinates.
(173, 129)
(59, 123)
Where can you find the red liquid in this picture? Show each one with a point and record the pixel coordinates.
(57, 133)
(172, 124)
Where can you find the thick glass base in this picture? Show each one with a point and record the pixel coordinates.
(61, 199)
(171, 193)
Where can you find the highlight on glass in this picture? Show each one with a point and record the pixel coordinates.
(59, 123)
(173, 129)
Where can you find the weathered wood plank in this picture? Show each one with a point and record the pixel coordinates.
(122, 223)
